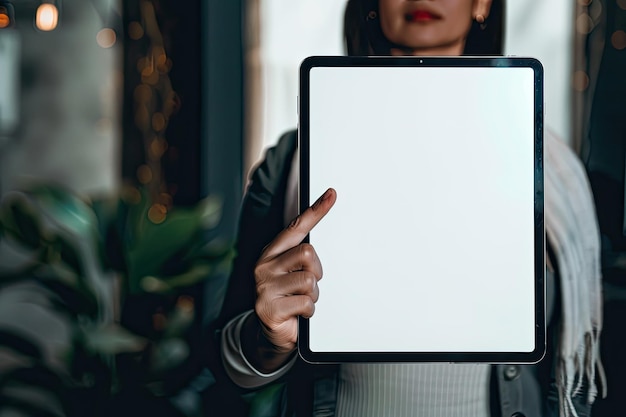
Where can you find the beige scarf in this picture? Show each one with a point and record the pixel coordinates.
(572, 229)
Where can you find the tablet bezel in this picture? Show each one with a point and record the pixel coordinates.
(539, 230)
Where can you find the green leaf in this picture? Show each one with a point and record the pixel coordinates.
(157, 243)
(169, 353)
(20, 220)
(196, 274)
(209, 211)
(111, 340)
(67, 209)
(51, 218)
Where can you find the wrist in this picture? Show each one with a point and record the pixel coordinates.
(262, 354)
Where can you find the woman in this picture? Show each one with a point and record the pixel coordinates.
(268, 291)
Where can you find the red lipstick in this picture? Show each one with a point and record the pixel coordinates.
(420, 16)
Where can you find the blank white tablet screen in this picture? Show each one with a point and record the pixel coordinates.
(430, 245)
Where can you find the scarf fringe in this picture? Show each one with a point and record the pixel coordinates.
(572, 229)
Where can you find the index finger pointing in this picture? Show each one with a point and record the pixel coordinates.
(300, 226)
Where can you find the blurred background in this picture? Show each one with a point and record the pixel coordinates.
(127, 132)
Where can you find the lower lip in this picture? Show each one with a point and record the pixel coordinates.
(420, 17)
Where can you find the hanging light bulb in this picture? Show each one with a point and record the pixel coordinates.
(5, 17)
(47, 17)
(5, 21)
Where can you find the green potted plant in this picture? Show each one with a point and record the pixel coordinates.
(70, 268)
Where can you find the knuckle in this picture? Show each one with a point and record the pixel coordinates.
(264, 287)
(260, 310)
(263, 276)
(316, 294)
(259, 272)
(309, 281)
(294, 223)
(261, 289)
(307, 252)
(308, 307)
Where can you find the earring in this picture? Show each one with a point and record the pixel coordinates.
(372, 15)
(480, 19)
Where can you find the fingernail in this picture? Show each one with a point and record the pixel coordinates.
(322, 198)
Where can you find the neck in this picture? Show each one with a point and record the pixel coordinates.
(455, 49)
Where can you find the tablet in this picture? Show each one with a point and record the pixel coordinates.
(434, 249)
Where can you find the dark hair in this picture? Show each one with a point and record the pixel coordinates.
(363, 34)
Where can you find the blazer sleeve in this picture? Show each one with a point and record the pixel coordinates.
(261, 219)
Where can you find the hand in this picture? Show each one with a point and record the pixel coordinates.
(286, 278)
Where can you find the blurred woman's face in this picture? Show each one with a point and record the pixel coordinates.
(427, 27)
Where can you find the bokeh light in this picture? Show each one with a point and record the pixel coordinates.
(165, 67)
(47, 17)
(618, 39)
(106, 38)
(135, 31)
(157, 213)
(185, 303)
(159, 53)
(158, 121)
(144, 174)
(131, 195)
(158, 148)
(143, 93)
(142, 117)
(166, 199)
(152, 78)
